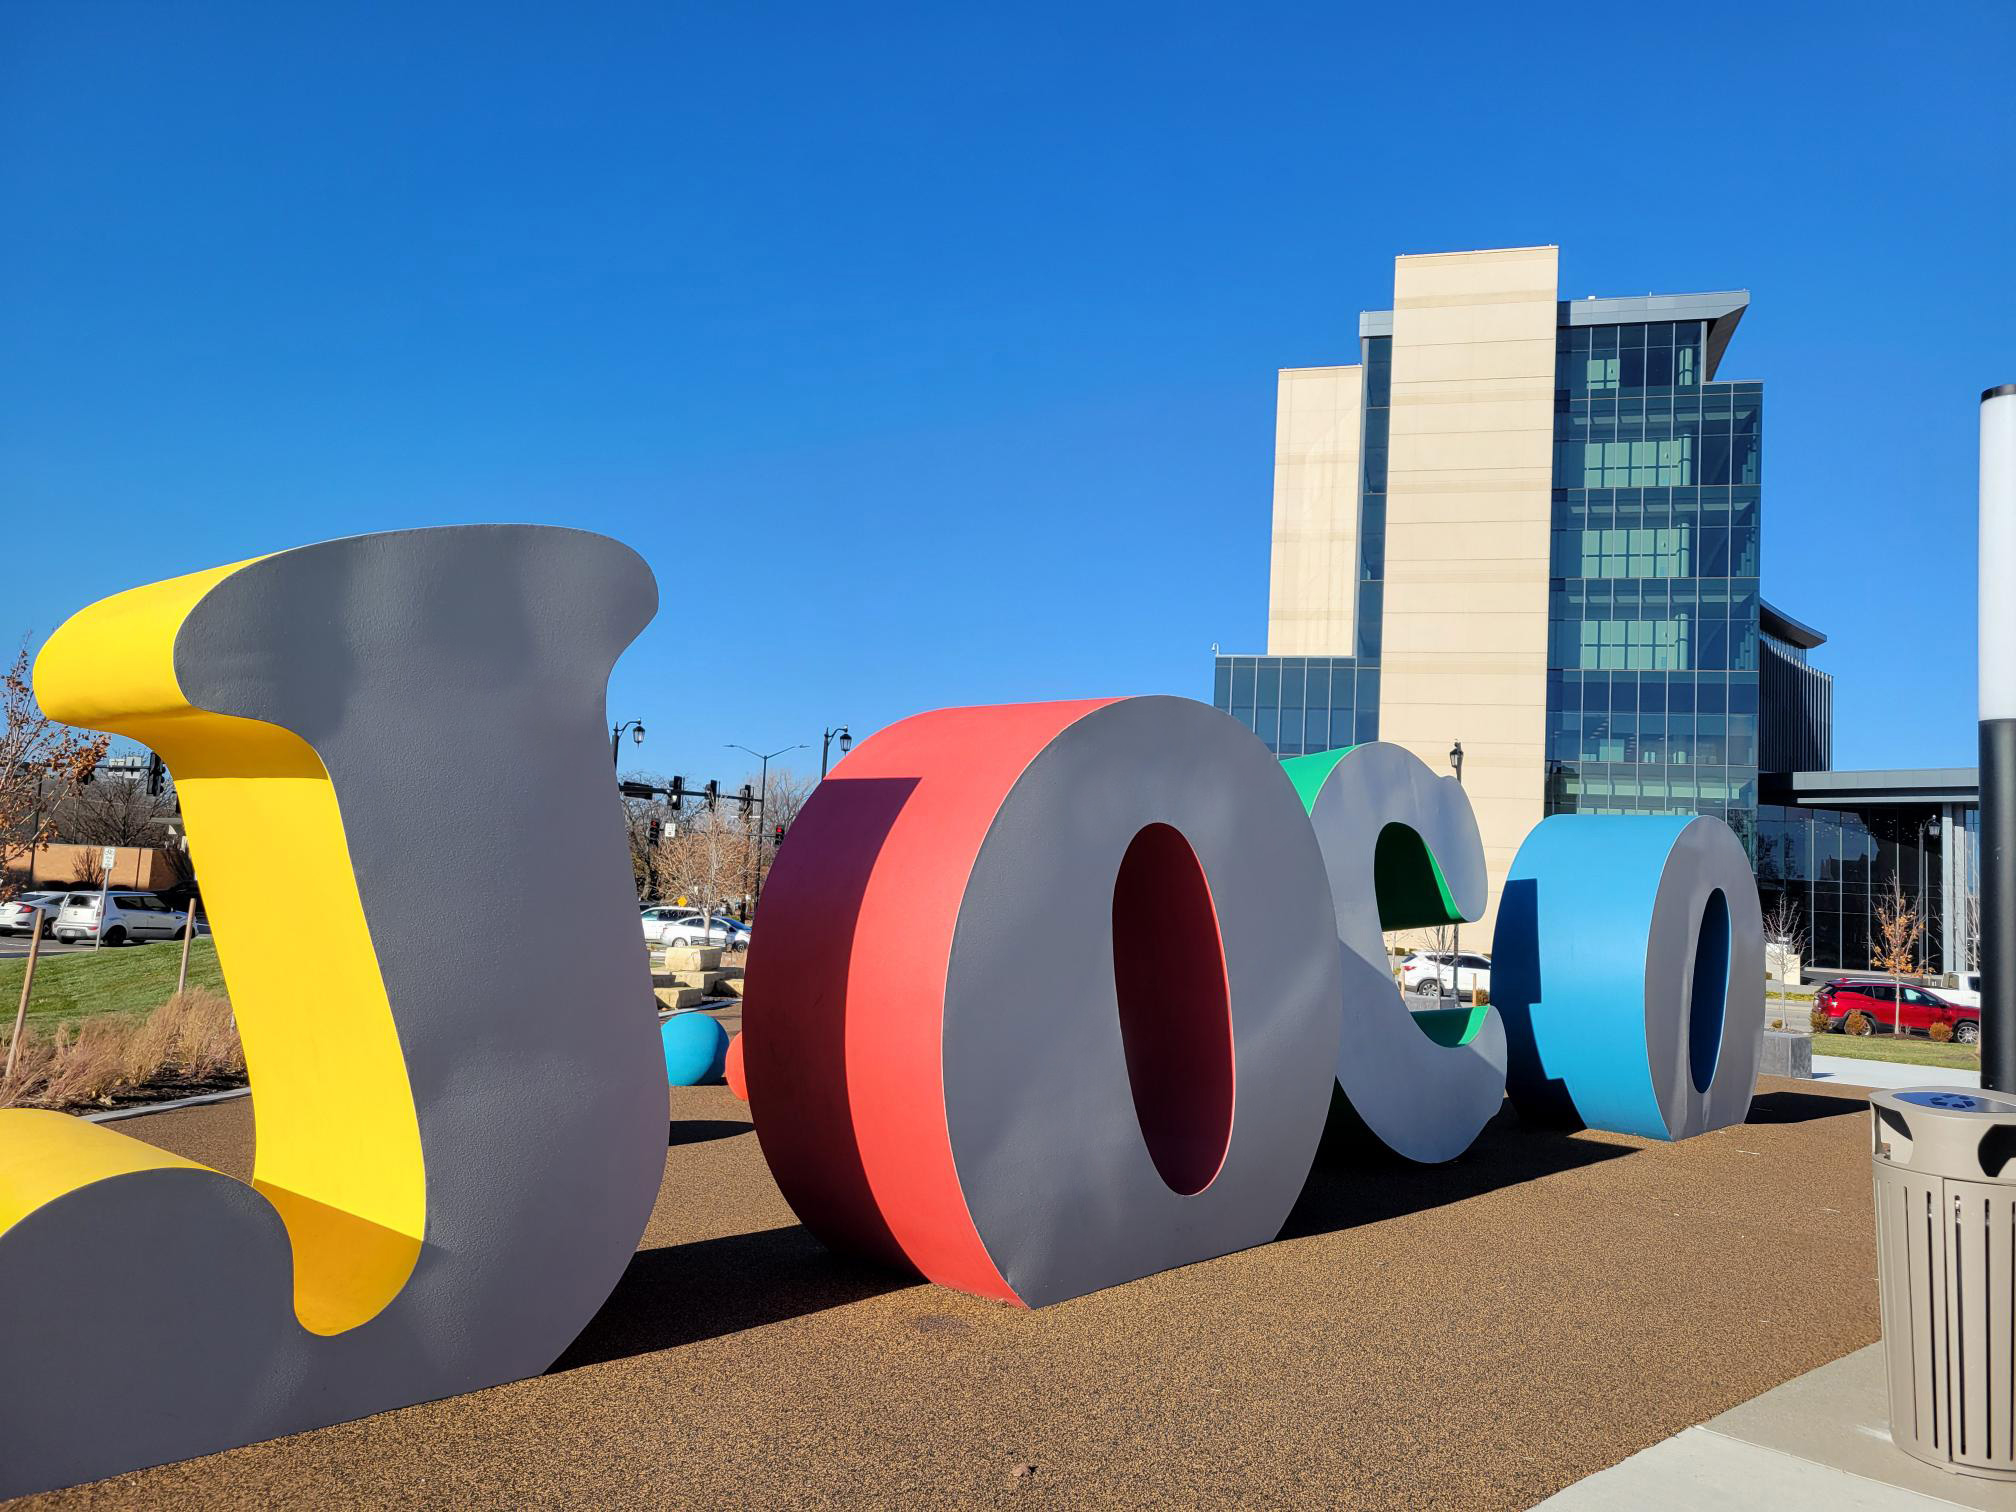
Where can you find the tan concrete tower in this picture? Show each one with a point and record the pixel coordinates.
(1468, 517)
(1313, 579)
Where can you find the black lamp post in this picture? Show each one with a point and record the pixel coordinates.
(826, 746)
(1456, 926)
(636, 728)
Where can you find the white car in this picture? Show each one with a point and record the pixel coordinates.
(1430, 972)
(687, 926)
(129, 918)
(1967, 994)
(21, 915)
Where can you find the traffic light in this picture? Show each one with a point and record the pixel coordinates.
(636, 789)
(747, 799)
(676, 794)
(657, 832)
(778, 838)
(713, 794)
(156, 776)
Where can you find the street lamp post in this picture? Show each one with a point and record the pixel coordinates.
(750, 875)
(1998, 739)
(635, 726)
(826, 746)
(1456, 925)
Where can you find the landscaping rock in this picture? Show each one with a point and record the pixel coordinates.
(677, 998)
(706, 981)
(693, 958)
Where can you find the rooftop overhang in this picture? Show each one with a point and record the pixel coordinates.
(1775, 622)
(1864, 789)
(1721, 310)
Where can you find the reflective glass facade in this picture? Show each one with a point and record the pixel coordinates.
(1835, 862)
(1299, 704)
(1653, 604)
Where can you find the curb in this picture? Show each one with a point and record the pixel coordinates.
(111, 1115)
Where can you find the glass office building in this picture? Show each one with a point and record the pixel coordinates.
(1533, 525)
(1653, 610)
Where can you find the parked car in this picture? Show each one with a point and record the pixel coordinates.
(1882, 1002)
(688, 926)
(129, 918)
(1429, 971)
(1967, 994)
(30, 911)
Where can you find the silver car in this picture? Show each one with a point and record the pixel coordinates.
(129, 918)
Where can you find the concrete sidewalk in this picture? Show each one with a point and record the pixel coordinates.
(1819, 1443)
(1853, 1072)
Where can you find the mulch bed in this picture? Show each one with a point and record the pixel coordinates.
(1475, 1335)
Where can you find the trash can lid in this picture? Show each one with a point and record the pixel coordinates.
(1959, 1102)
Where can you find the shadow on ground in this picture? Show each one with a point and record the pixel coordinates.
(1350, 1190)
(1803, 1107)
(685, 1131)
(747, 1280)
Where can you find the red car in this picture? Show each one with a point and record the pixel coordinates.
(1878, 1001)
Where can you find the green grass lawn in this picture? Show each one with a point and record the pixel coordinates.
(1911, 1050)
(125, 979)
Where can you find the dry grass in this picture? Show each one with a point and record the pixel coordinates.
(190, 1039)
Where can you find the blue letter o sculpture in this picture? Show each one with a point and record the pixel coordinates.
(696, 1047)
(1628, 964)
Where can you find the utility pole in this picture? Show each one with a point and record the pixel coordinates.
(756, 886)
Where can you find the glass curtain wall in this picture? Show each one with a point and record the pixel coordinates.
(1653, 605)
(1836, 864)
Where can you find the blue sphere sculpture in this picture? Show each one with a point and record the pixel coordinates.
(696, 1047)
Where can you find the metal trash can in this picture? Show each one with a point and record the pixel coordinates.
(1945, 1169)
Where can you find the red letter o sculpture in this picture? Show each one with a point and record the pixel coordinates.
(1046, 997)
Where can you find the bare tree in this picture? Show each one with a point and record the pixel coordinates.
(1784, 932)
(725, 834)
(699, 858)
(1970, 920)
(41, 763)
(1900, 927)
(114, 812)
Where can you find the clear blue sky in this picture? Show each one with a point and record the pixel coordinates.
(927, 353)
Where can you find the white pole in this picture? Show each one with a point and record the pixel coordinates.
(107, 858)
(1997, 653)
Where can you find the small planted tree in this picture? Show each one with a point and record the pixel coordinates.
(1784, 938)
(1900, 931)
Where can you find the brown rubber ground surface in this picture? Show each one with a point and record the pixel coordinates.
(1470, 1336)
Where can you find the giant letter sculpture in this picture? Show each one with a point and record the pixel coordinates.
(459, 1130)
(1019, 966)
(1403, 852)
(1629, 965)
